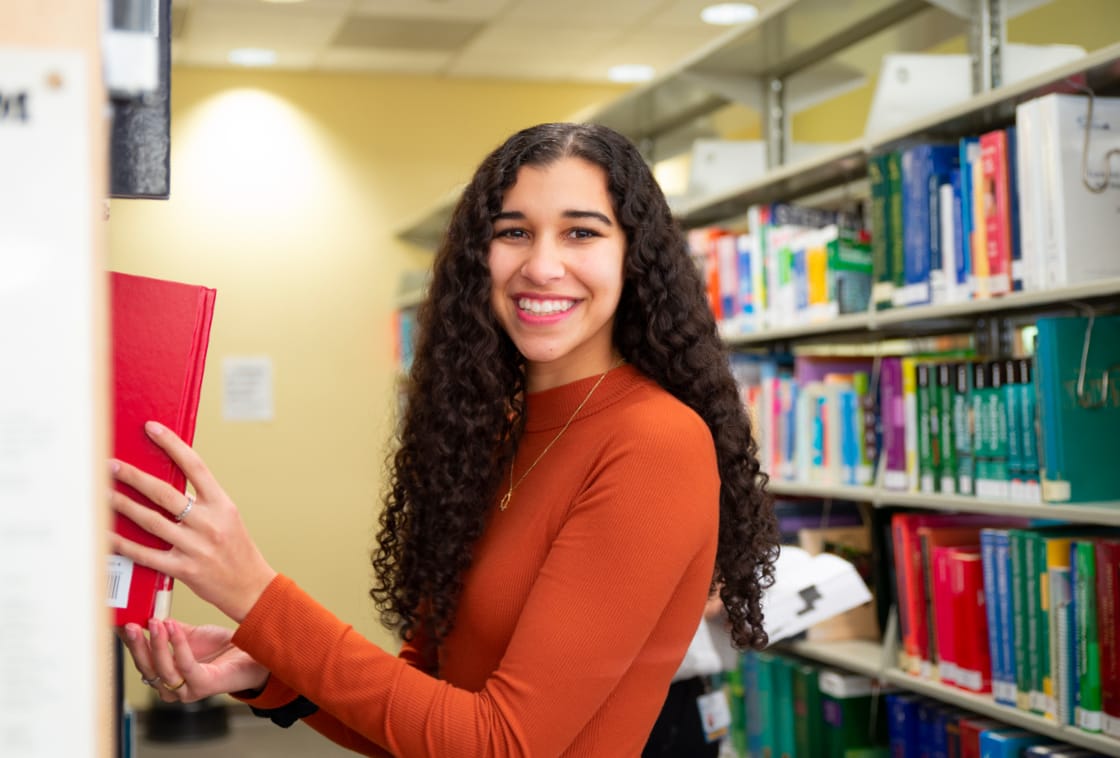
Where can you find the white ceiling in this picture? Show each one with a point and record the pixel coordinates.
(573, 40)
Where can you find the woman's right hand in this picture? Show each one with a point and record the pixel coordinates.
(188, 663)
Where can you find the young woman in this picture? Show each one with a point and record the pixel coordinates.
(575, 473)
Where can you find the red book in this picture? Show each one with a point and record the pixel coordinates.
(997, 209)
(942, 614)
(970, 734)
(159, 334)
(971, 651)
(1108, 632)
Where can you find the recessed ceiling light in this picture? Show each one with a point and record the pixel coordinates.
(252, 56)
(630, 72)
(729, 14)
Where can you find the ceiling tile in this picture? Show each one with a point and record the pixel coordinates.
(391, 33)
(620, 13)
(394, 61)
(462, 9)
(231, 25)
(519, 51)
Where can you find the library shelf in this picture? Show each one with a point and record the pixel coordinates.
(986, 706)
(1107, 513)
(861, 656)
(912, 317)
(868, 658)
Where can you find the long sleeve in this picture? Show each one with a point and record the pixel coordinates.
(599, 620)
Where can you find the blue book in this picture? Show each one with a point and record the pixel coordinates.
(902, 729)
(924, 169)
(849, 436)
(1009, 743)
(1013, 208)
(1005, 612)
(968, 152)
(988, 540)
(743, 247)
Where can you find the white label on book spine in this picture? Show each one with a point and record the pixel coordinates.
(119, 581)
(50, 549)
(1111, 726)
(1090, 721)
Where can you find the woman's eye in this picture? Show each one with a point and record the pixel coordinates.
(510, 233)
(582, 233)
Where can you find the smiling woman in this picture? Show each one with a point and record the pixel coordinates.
(575, 475)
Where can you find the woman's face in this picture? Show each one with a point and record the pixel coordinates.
(556, 266)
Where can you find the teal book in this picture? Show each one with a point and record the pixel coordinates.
(946, 428)
(809, 723)
(752, 703)
(1014, 425)
(962, 427)
(764, 700)
(782, 668)
(1079, 407)
(1028, 424)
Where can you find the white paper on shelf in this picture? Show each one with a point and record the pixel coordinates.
(809, 589)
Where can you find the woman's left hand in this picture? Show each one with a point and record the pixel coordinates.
(211, 551)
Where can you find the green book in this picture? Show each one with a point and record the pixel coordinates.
(1079, 427)
(998, 477)
(1020, 613)
(850, 709)
(895, 247)
(733, 686)
(1088, 709)
(1028, 423)
(927, 480)
(981, 435)
(809, 726)
(962, 426)
(946, 427)
(879, 220)
(1014, 424)
(768, 738)
(784, 707)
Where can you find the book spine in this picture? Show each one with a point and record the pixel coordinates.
(981, 432)
(980, 268)
(1108, 633)
(1028, 425)
(893, 414)
(946, 429)
(947, 292)
(973, 664)
(968, 153)
(745, 251)
(1088, 716)
(1005, 612)
(943, 639)
(1038, 622)
(1018, 267)
(879, 219)
(1020, 626)
(926, 473)
(988, 539)
(910, 401)
(1013, 441)
(963, 427)
(727, 274)
(993, 158)
(896, 246)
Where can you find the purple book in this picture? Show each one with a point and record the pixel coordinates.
(893, 418)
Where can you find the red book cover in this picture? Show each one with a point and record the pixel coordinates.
(159, 332)
(972, 653)
(930, 538)
(909, 579)
(1108, 632)
(970, 734)
(997, 209)
(942, 614)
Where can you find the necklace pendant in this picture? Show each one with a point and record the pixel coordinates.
(504, 502)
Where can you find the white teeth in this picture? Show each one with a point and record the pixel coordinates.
(545, 307)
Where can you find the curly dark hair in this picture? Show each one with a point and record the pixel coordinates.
(465, 400)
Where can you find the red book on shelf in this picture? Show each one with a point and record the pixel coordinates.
(1108, 632)
(971, 651)
(971, 729)
(997, 207)
(159, 332)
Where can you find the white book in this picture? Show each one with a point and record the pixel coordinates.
(945, 283)
(1080, 226)
(1029, 156)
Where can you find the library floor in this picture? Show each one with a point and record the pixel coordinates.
(249, 737)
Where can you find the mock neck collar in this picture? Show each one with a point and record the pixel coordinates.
(551, 408)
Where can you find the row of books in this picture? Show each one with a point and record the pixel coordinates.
(1026, 613)
(794, 265)
(785, 707)
(997, 212)
(920, 727)
(1033, 429)
(1027, 207)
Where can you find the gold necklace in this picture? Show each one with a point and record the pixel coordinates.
(512, 486)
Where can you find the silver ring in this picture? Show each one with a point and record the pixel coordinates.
(190, 504)
(153, 682)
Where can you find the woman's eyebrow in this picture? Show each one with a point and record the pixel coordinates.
(519, 216)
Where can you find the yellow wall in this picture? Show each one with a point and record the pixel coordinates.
(286, 191)
(1092, 24)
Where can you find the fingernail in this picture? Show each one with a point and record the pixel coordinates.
(170, 627)
(153, 428)
(153, 626)
(114, 466)
(130, 633)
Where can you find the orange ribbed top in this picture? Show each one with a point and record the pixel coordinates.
(578, 608)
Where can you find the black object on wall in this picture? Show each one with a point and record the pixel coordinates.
(140, 141)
